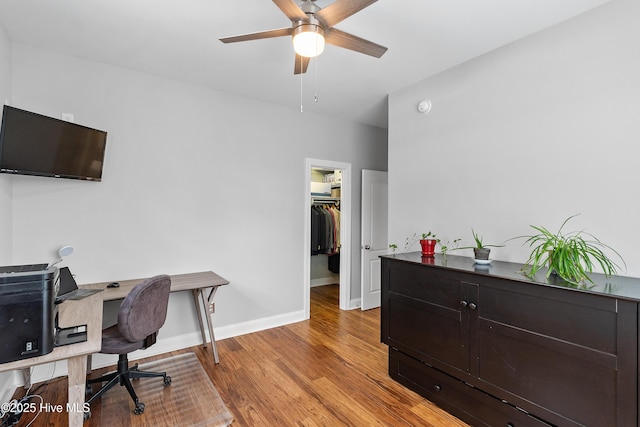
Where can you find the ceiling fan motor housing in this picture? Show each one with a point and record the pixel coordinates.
(306, 27)
(309, 7)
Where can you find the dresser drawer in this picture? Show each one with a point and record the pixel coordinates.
(462, 400)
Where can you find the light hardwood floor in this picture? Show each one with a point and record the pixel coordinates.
(328, 371)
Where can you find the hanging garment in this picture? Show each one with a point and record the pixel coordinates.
(315, 231)
(328, 231)
(321, 224)
(336, 228)
(325, 230)
(334, 263)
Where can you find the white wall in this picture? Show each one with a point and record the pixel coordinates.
(184, 186)
(531, 133)
(5, 184)
(6, 378)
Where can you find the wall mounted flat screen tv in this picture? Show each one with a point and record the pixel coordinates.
(33, 144)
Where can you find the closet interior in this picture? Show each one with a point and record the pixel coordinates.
(325, 196)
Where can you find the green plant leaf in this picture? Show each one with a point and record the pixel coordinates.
(571, 255)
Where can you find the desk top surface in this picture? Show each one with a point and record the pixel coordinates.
(179, 282)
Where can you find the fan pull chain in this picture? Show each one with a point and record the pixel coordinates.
(301, 73)
(315, 96)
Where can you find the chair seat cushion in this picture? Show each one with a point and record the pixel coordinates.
(114, 343)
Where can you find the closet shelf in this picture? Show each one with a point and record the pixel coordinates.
(323, 199)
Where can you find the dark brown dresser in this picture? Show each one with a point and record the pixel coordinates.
(495, 348)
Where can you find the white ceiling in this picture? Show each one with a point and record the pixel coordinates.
(179, 39)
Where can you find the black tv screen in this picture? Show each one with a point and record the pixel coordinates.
(33, 144)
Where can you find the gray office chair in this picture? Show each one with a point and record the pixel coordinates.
(141, 315)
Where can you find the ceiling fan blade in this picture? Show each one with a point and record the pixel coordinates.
(349, 41)
(302, 62)
(291, 9)
(340, 10)
(257, 36)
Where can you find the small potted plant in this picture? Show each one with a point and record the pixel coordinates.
(481, 250)
(571, 256)
(410, 241)
(428, 243)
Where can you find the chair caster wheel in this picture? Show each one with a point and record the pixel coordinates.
(167, 381)
(139, 408)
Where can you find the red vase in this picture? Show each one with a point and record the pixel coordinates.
(428, 247)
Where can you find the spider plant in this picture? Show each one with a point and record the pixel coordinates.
(571, 255)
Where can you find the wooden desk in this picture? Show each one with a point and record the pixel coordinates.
(197, 283)
(73, 313)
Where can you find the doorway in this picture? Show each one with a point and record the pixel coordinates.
(345, 230)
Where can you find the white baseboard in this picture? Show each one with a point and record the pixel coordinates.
(259, 325)
(325, 281)
(355, 303)
(53, 370)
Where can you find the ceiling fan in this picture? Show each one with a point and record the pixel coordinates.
(312, 26)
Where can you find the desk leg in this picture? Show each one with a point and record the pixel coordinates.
(196, 296)
(77, 367)
(209, 309)
(26, 376)
(207, 305)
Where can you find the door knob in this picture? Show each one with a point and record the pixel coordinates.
(367, 247)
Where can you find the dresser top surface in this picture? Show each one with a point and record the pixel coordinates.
(613, 286)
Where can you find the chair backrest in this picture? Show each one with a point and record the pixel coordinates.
(144, 310)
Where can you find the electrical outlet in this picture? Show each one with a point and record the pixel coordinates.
(67, 117)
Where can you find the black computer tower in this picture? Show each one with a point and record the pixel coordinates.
(27, 312)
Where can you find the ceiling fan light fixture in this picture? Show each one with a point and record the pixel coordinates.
(308, 40)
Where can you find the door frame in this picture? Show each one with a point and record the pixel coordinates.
(345, 232)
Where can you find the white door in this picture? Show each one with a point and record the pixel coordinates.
(374, 234)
